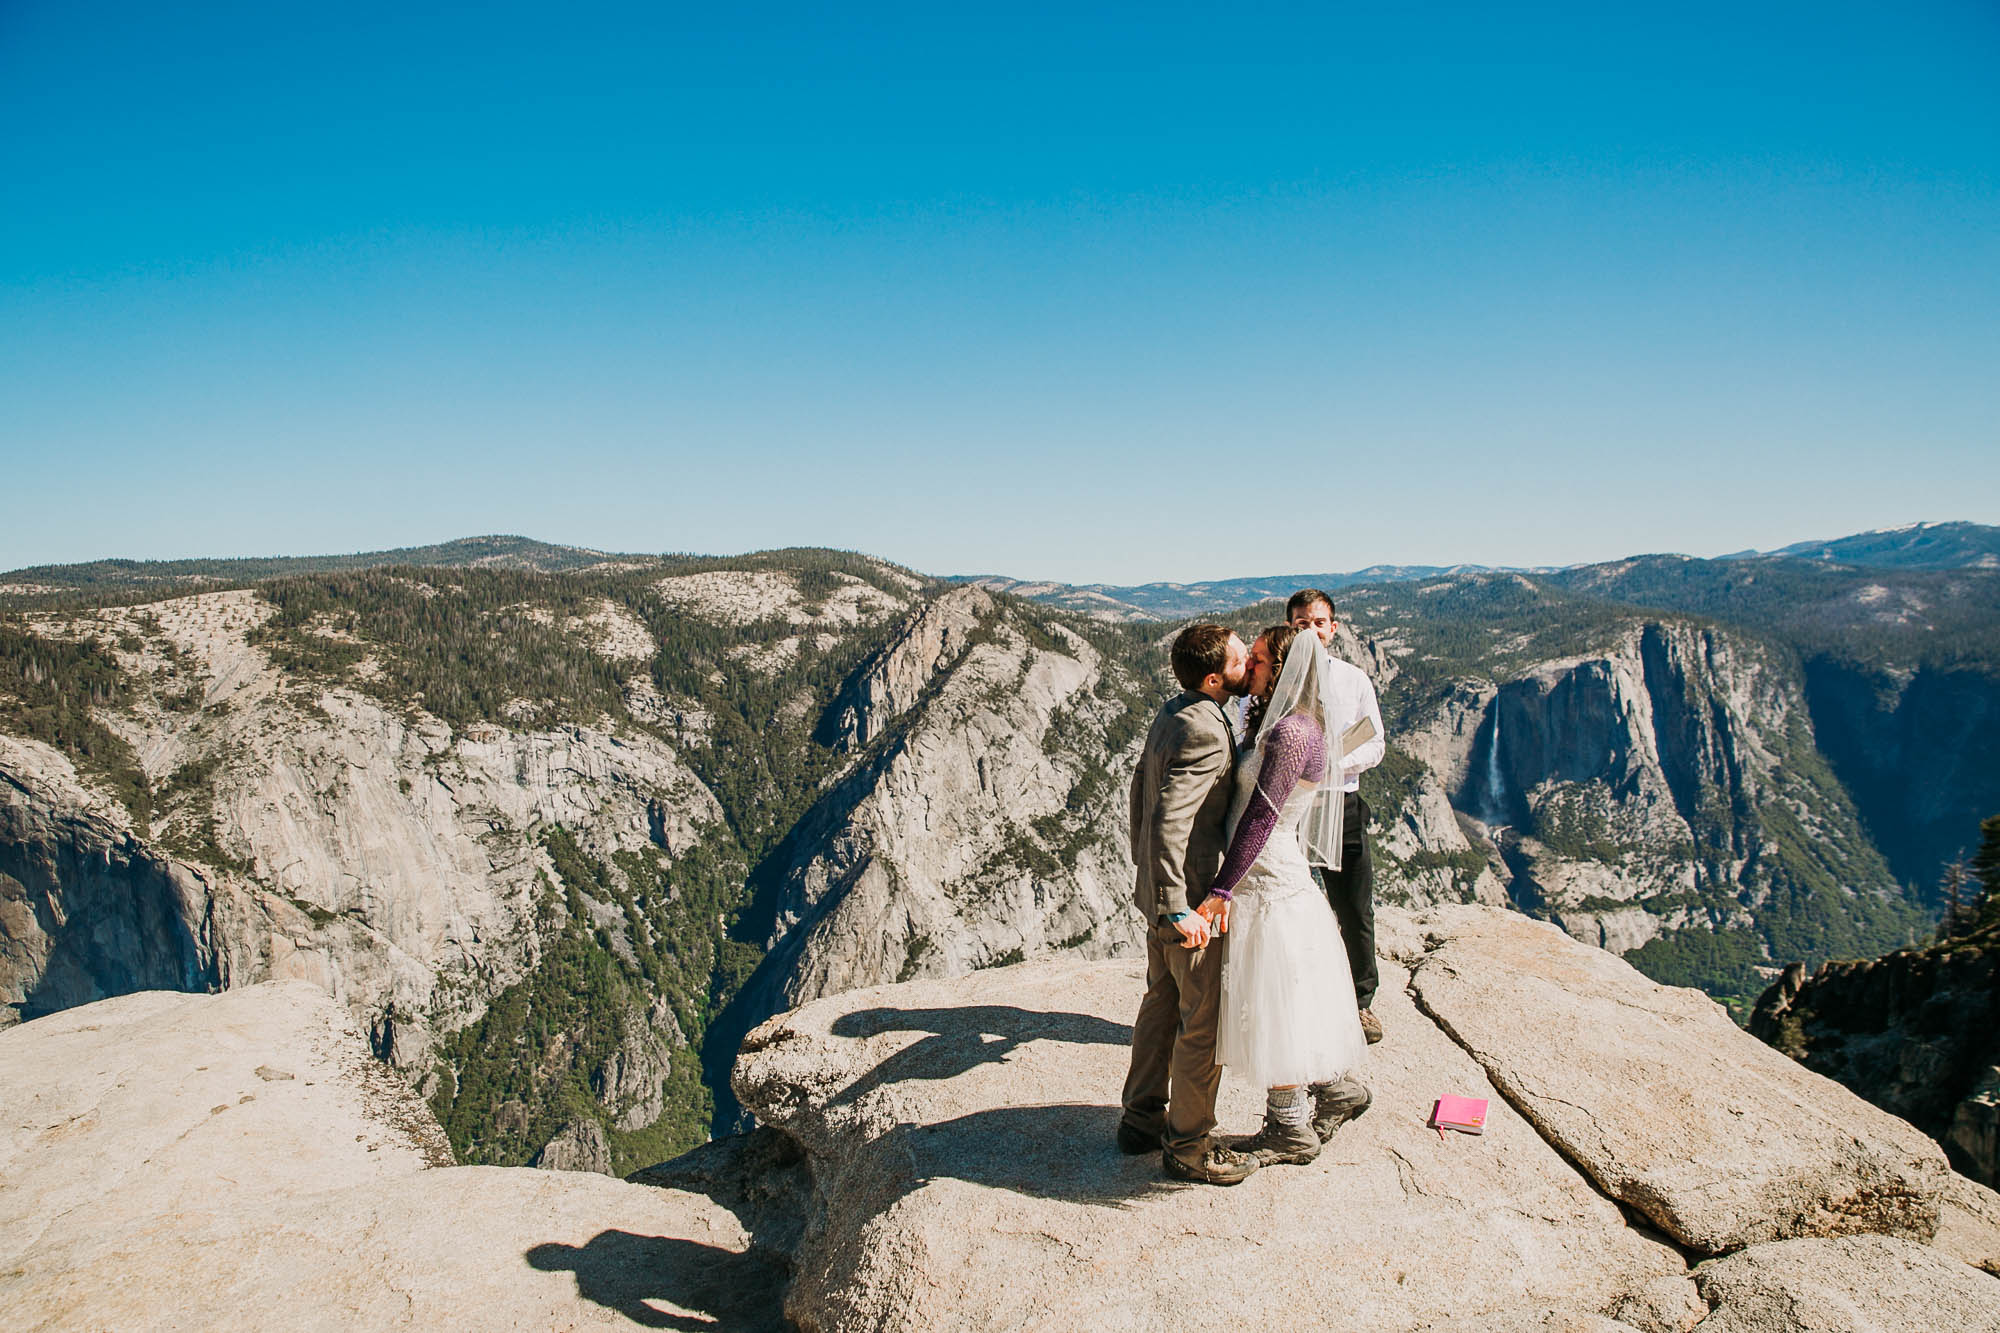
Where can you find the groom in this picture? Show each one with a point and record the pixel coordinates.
(1180, 803)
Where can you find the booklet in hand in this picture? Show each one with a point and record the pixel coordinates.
(1467, 1115)
(1357, 735)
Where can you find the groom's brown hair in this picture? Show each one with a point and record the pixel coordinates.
(1200, 651)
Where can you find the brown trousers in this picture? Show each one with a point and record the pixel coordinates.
(1171, 1088)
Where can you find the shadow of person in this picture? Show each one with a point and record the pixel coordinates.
(732, 1292)
(1062, 1151)
(964, 1038)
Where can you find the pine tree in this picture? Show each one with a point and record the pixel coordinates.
(1952, 890)
(1986, 869)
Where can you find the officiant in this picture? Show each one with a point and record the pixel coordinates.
(1351, 888)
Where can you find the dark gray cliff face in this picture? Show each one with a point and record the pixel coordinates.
(1647, 726)
(1665, 794)
(1917, 750)
(86, 912)
(1916, 1032)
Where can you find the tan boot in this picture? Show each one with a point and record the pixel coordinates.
(1336, 1103)
(1217, 1165)
(1287, 1136)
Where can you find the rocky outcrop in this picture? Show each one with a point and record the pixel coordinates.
(241, 1161)
(1975, 1127)
(627, 1084)
(959, 1135)
(1721, 1142)
(1853, 1284)
(1969, 1225)
(1916, 1032)
(577, 1146)
(1423, 854)
(87, 910)
(937, 1154)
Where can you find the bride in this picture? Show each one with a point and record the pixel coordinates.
(1288, 1020)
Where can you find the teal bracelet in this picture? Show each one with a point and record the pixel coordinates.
(1176, 918)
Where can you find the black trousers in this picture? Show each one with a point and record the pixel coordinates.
(1351, 891)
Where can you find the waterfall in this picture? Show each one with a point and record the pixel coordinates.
(1493, 811)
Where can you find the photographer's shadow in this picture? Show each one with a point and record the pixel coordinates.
(732, 1292)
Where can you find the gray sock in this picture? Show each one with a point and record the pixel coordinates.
(1288, 1106)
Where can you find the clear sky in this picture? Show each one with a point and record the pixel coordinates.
(1088, 293)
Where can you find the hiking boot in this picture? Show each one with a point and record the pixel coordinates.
(1217, 1165)
(1132, 1142)
(1371, 1026)
(1287, 1136)
(1336, 1103)
(1281, 1144)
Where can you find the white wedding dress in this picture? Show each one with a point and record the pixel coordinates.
(1288, 1011)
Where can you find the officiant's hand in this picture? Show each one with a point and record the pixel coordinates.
(1215, 910)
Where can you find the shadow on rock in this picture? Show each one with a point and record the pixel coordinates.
(1063, 1151)
(762, 1177)
(964, 1038)
(734, 1293)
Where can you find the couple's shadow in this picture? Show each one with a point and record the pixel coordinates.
(1062, 1150)
(964, 1038)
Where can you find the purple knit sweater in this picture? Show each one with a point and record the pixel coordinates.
(1294, 753)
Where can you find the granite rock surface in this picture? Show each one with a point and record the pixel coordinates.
(241, 1161)
(1718, 1139)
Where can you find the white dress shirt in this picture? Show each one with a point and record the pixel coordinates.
(1354, 699)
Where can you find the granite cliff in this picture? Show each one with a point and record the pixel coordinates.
(1661, 795)
(536, 837)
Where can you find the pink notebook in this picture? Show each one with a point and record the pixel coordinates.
(1467, 1115)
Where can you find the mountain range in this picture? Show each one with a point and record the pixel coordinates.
(559, 826)
(1934, 546)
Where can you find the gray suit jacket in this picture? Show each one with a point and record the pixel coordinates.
(1180, 802)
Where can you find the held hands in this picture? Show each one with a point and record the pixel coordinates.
(1200, 927)
(1193, 927)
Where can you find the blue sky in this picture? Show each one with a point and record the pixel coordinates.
(1133, 293)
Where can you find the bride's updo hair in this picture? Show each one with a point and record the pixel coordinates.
(1279, 639)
